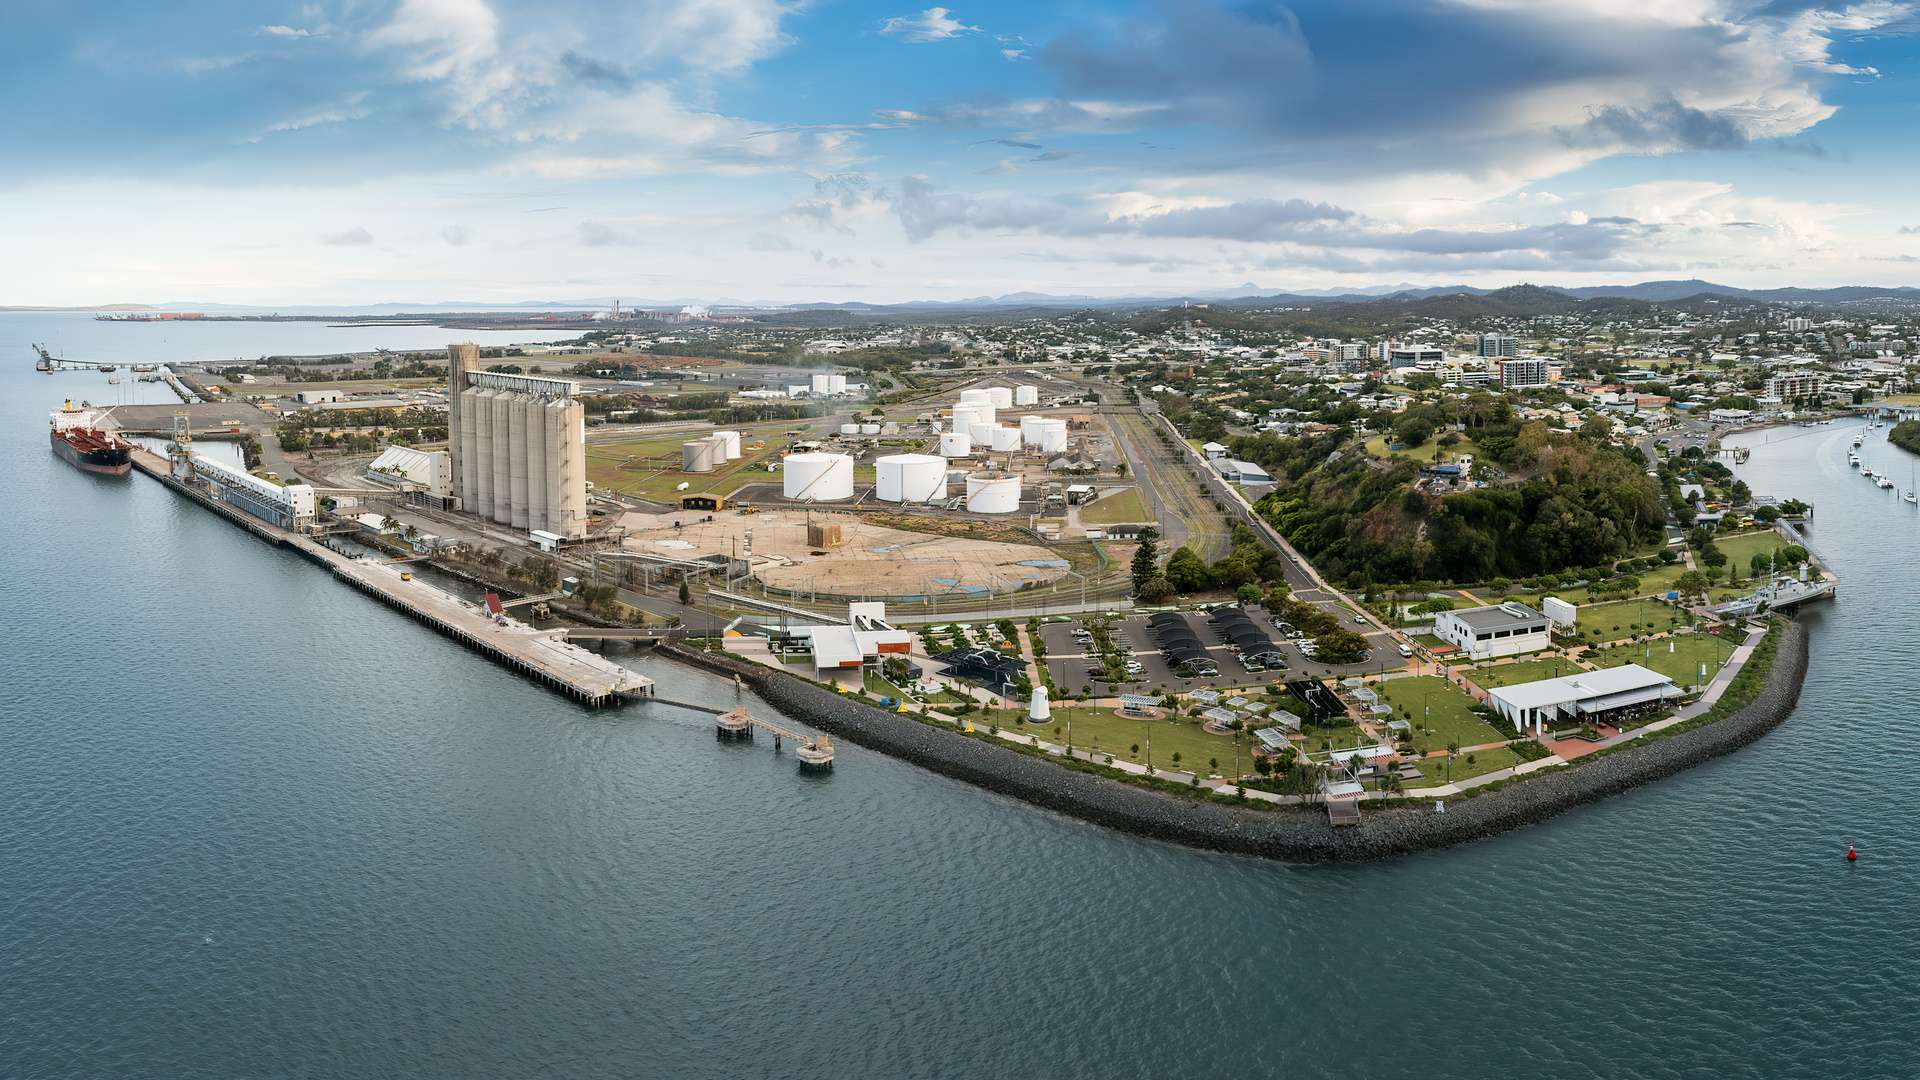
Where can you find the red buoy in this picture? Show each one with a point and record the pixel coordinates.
(1852, 855)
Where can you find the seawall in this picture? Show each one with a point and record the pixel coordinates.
(1294, 835)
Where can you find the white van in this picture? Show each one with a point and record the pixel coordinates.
(1406, 650)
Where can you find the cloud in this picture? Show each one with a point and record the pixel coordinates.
(1909, 230)
(933, 24)
(357, 236)
(282, 31)
(594, 72)
(344, 111)
(599, 234)
(456, 235)
(1014, 54)
(1665, 125)
(925, 210)
(1331, 89)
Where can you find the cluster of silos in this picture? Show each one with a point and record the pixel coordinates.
(1046, 433)
(955, 444)
(518, 446)
(910, 478)
(992, 493)
(709, 453)
(816, 477)
(1026, 395)
(826, 384)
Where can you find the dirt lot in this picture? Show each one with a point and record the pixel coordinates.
(874, 560)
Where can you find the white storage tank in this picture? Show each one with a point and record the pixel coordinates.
(981, 432)
(1053, 436)
(729, 444)
(1026, 395)
(955, 444)
(849, 429)
(976, 396)
(889, 428)
(869, 429)
(700, 455)
(1001, 396)
(837, 384)
(1005, 439)
(1030, 429)
(817, 477)
(910, 478)
(992, 493)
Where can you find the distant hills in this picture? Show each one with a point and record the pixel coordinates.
(1512, 299)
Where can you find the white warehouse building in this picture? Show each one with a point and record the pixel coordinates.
(1496, 630)
(430, 471)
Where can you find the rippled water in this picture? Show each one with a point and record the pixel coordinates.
(253, 824)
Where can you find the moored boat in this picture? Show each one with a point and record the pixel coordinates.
(79, 436)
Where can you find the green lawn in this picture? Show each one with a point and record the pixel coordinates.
(1651, 615)
(1108, 732)
(1120, 508)
(1682, 665)
(1377, 446)
(1740, 548)
(1659, 582)
(1434, 770)
(1428, 701)
(1522, 672)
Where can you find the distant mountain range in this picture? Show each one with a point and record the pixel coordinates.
(1246, 295)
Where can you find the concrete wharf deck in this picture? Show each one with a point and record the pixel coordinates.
(538, 654)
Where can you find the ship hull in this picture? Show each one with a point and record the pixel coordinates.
(107, 461)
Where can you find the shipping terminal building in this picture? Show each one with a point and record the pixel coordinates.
(518, 446)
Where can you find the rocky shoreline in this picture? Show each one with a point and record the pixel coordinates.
(1293, 835)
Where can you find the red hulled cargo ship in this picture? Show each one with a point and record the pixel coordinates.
(78, 436)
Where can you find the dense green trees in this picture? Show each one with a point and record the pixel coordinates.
(1582, 503)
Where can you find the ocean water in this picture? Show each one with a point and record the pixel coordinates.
(253, 824)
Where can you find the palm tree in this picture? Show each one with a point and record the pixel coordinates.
(1452, 749)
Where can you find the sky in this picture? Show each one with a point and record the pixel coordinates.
(776, 151)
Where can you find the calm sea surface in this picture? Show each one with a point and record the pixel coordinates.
(253, 824)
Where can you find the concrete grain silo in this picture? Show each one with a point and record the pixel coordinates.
(518, 446)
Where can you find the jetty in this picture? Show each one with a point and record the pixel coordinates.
(538, 654)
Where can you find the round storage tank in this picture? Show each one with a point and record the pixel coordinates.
(1005, 439)
(1030, 429)
(729, 444)
(965, 415)
(978, 395)
(869, 429)
(992, 493)
(955, 444)
(1053, 436)
(701, 455)
(1001, 396)
(910, 478)
(849, 429)
(817, 477)
(1026, 395)
(981, 432)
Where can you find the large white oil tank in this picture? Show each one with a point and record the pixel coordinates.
(729, 444)
(869, 429)
(955, 444)
(976, 396)
(965, 415)
(796, 389)
(992, 493)
(849, 429)
(981, 431)
(700, 455)
(821, 385)
(910, 478)
(1001, 396)
(1026, 395)
(1004, 439)
(1053, 436)
(817, 477)
(1030, 429)
(889, 428)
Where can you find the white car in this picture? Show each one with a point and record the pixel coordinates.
(1406, 650)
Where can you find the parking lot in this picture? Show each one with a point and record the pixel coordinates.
(1071, 667)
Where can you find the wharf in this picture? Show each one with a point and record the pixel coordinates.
(538, 654)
